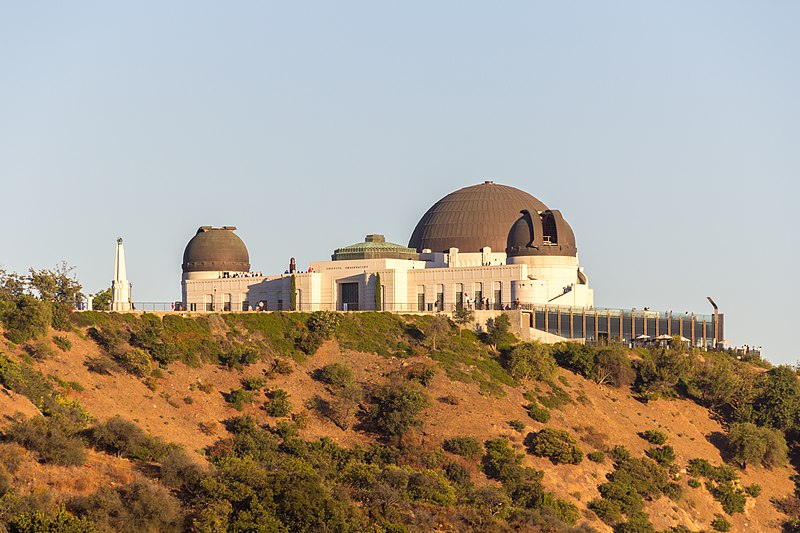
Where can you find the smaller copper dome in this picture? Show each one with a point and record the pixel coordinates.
(541, 233)
(216, 250)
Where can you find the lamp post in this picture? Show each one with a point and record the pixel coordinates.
(716, 319)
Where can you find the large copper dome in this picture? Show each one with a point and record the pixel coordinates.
(471, 218)
(216, 250)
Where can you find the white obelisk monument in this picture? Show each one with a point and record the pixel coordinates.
(120, 288)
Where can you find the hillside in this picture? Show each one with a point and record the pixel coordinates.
(376, 422)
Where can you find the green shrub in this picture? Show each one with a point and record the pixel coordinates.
(637, 522)
(278, 403)
(620, 454)
(749, 444)
(238, 397)
(63, 343)
(612, 366)
(468, 447)
(501, 462)
(754, 491)
(125, 439)
(731, 497)
(556, 444)
(653, 436)
(531, 360)
(41, 522)
(540, 414)
(51, 439)
(517, 425)
(556, 399)
(432, 487)
(422, 374)
(663, 455)
(41, 350)
(395, 408)
(335, 374)
(607, 510)
(596, 457)
(26, 318)
(254, 383)
(720, 524)
(694, 483)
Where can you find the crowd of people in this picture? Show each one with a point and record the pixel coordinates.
(242, 275)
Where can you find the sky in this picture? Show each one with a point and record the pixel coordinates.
(668, 134)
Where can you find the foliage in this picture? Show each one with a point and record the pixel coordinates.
(63, 343)
(254, 383)
(517, 425)
(659, 372)
(396, 407)
(653, 436)
(437, 327)
(101, 301)
(278, 403)
(26, 318)
(749, 444)
(378, 293)
(531, 360)
(731, 497)
(335, 374)
(720, 524)
(540, 414)
(125, 439)
(463, 316)
(468, 447)
(51, 438)
(138, 506)
(238, 397)
(612, 366)
(498, 331)
(663, 455)
(754, 491)
(596, 456)
(777, 403)
(555, 444)
(41, 522)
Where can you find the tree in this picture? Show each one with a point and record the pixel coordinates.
(293, 294)
(378, 293)
(556, 444)
(57, 285)
(612, 366)
(395, 408)
(101, 301)
(778, 403)
(498, 331)
(749, 444)
(438, 326)
(462, 316)
(26, 318)
(531, 360)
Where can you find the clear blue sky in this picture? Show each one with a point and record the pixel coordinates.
(667, 133)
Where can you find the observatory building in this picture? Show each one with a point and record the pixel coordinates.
(487, 246)
(483, 247)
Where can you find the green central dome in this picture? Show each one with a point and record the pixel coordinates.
(374, 247)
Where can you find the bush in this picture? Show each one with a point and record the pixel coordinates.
(26, 318)
(468, 447)
(531, 360)
(620, 454)
(637, 523)
(729, 496)
(422, 375)
(540, 414)
(126, 439)
(653, 436)
(51, 439)
(41, 350)
(517, 425)
(501, 462)
(335, 374)
(63, 343)
(694, 483)
(395, 408)
(612, 366)
(663, 455)
(750, 444)
(41, 522)
(431, 487)
(720, 524)
(254, 383)
(556, 444)
(278, 404)
(238, 397)
(596, 457)
(754, 491)
(607, 510)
